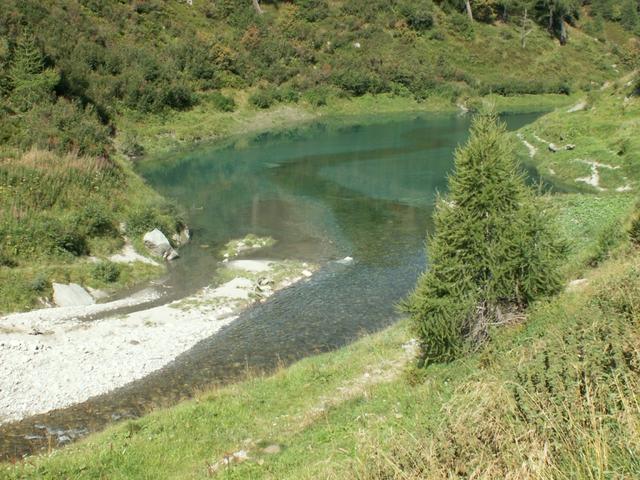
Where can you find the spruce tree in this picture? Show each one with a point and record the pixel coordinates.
(31, 82)
(629, 17)
(494, 251)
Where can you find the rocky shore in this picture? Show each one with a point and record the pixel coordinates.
(55, 357)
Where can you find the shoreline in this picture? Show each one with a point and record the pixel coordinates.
(204, 125)
(52, 358)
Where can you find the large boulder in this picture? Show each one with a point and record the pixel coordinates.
(156, 241)
(72, 295)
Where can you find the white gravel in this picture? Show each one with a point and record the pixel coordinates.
(50, 359)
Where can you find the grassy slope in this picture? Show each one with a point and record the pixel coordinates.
(606, 132)
(47, 197)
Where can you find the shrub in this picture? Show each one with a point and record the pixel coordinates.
(222, 102)
(418, 14)
(6, 261)
(131, 148)
(462, 25)
(39, 284)
(494, 250)
(621, 294)
(66, 126)
(607, 240)
(317, 97)
(634, 231)
(95, 220)
(72, 242)
(144, 218)
(313, 10)
(107, 272)
(263, 98)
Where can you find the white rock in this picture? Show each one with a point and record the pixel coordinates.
(307, 273)
(345, 261)
(72, 295)
(97, 293)
(254, 266)
(237, 288)
(156, 241)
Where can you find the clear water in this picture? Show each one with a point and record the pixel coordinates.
(363, 188)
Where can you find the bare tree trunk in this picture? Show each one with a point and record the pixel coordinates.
(467, 3)
(525, 29)
(256, 5)
(563, 33)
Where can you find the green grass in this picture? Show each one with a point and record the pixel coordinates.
(56, 211)
(604, 132)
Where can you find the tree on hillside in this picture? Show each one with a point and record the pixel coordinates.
(494, 251)
(467, 4)
(555, 13)
(629, 15)
(31, 83)
(256, 5)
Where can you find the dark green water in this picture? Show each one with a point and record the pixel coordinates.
(323, 191)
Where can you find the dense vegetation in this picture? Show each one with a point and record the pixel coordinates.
(69, 69)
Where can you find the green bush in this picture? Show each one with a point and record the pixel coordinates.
(263, 98)
(66, 126)
(418, 14)
(131, 148)
(462, 25)
(607, 240)
(494, 251)
(39, 284)
(317, 97)
(142, 219)
(313, 10)
(107, 272)
(222, 102)
(634, 231)
(7, 261)
(620, 294)
(95, 220)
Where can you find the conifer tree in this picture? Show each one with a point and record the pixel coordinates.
(629, 17)
(494, 250)
(31, 82)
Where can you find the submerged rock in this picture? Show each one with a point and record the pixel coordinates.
(345, 261)
(156, 241)
(182, 237)
(72, 295)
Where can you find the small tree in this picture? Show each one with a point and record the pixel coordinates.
(494, 251)
(629, 15)
(31, 82)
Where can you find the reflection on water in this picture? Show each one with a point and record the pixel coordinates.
(323, 192)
